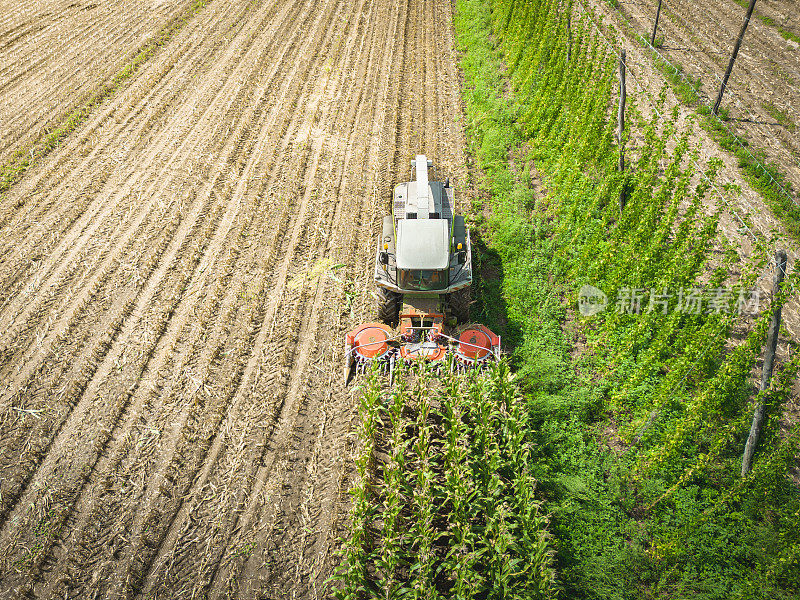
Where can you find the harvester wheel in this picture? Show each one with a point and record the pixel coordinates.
(389, 305)
(459, 304)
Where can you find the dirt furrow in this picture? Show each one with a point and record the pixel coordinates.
(292, 438)
(198, 207)
(266, 212)
(198, 312)
(450, 125)
(281, 321)
(120, 306)
(32, 200)
(176, 399)
(82, 219)
(170, 172)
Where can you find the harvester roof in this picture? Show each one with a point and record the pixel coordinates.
(423, 244)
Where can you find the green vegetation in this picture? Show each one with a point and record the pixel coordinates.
(685, 86)
(788, 35)
(49, 525)
(782, 117)
(15, 167)
(628, 424)
(665, 513)
(444, 505)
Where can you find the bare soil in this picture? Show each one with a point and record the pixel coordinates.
(54, 55)
(172, 423)
(762, 97)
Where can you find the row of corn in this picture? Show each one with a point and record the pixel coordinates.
(443, 504)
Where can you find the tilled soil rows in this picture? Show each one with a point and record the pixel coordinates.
(55, 55)
(175, 282)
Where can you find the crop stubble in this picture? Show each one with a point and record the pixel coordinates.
(55, 54)
(171, 420)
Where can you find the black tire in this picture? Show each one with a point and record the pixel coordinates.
(389, 305)
(459, 304)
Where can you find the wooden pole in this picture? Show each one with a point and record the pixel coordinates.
(769, 359)
(621, 124)
(569, 37)
(655, 25)
(750, 8)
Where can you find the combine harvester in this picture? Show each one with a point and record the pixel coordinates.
(423, 272)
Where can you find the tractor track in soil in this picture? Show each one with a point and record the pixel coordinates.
(175, 281)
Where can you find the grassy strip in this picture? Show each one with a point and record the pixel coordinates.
(22, 160)
(780, 116)
(770, 22)
(788, 35)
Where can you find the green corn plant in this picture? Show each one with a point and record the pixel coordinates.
(390, 555)
(460, 492)
(356, 551)
(422, 532)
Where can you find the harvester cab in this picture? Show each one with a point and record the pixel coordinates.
(423, 274)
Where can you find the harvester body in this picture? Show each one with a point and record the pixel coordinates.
(423, 273)
(425, 247)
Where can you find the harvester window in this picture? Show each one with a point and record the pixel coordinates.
(422, 279)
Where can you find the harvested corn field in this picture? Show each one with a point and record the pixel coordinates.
(57, 57)
(175, 278)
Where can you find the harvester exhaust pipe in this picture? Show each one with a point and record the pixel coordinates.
(423, 197)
